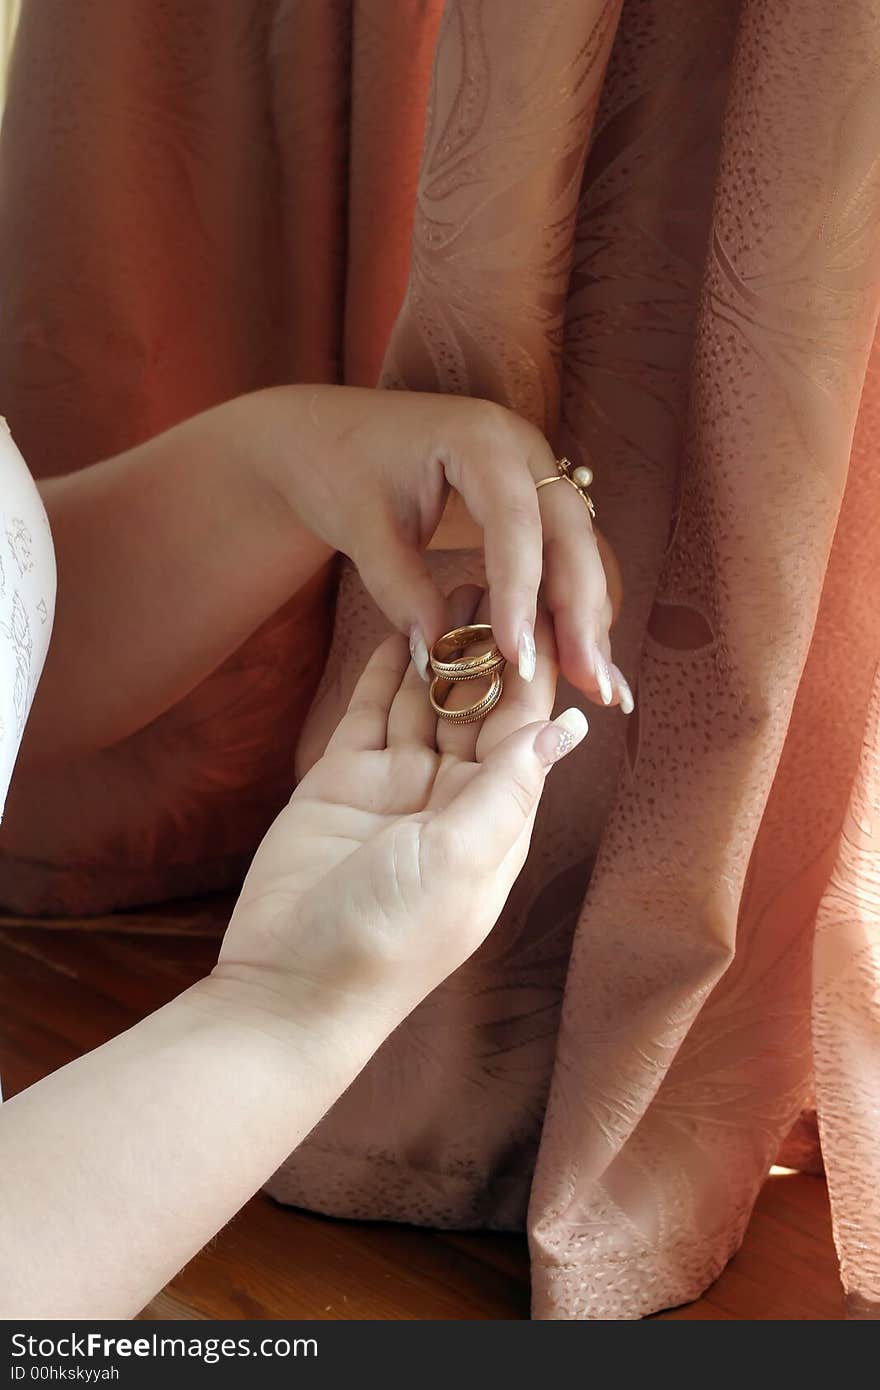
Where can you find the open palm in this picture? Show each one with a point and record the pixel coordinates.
(399, 848)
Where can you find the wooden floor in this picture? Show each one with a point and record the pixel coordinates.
(64, 989)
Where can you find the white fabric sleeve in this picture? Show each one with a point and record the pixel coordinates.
(27, 599)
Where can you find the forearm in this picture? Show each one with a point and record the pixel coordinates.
(169, 557)
(117, 1169)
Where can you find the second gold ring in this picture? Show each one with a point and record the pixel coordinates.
(469, 714)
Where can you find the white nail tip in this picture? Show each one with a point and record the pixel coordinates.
(603, 679)
(624, 694)
(419, 653)
(528, 657)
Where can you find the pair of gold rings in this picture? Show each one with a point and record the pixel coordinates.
(450, 665)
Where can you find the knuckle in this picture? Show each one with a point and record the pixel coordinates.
(505, 439)
(494, 417)
(505, 432)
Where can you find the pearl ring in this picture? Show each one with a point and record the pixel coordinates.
(579, 478)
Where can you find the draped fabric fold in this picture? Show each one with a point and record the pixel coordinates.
(654, 228)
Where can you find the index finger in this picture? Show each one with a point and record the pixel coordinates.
(499, 492)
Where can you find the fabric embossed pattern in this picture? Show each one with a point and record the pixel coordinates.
(654, 228)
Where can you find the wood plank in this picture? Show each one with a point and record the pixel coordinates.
(507, 1253)
(166, 1307)
(275, 1262)
(787, 1268)
(190, 917)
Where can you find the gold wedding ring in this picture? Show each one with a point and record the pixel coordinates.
(444, 661)
(470, 713)
(450, 665)
(579, 478)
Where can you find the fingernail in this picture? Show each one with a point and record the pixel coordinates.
(526, 652)
(558, 738)
(603, 677)
(419, 652)
(624, 694)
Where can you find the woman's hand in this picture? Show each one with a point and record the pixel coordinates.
(174, 552)
(386, 870)
(397, 851)
(369, 472)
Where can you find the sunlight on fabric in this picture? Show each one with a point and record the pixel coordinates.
(9, 12)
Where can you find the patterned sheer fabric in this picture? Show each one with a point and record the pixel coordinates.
(655, 229)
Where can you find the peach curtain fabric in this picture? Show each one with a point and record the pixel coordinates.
(654, 228)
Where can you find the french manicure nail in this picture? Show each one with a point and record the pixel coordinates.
(419, 652)
(603, 677)
(558, 738)
(624, 694)
(526, 652)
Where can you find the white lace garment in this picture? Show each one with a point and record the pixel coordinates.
(27, 599)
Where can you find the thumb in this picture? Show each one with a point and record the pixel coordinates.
(473, 835)
(396, 575)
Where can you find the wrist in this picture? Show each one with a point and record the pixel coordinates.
(271, 443)
(252, 445)
(262, 432)
(330, 1032)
